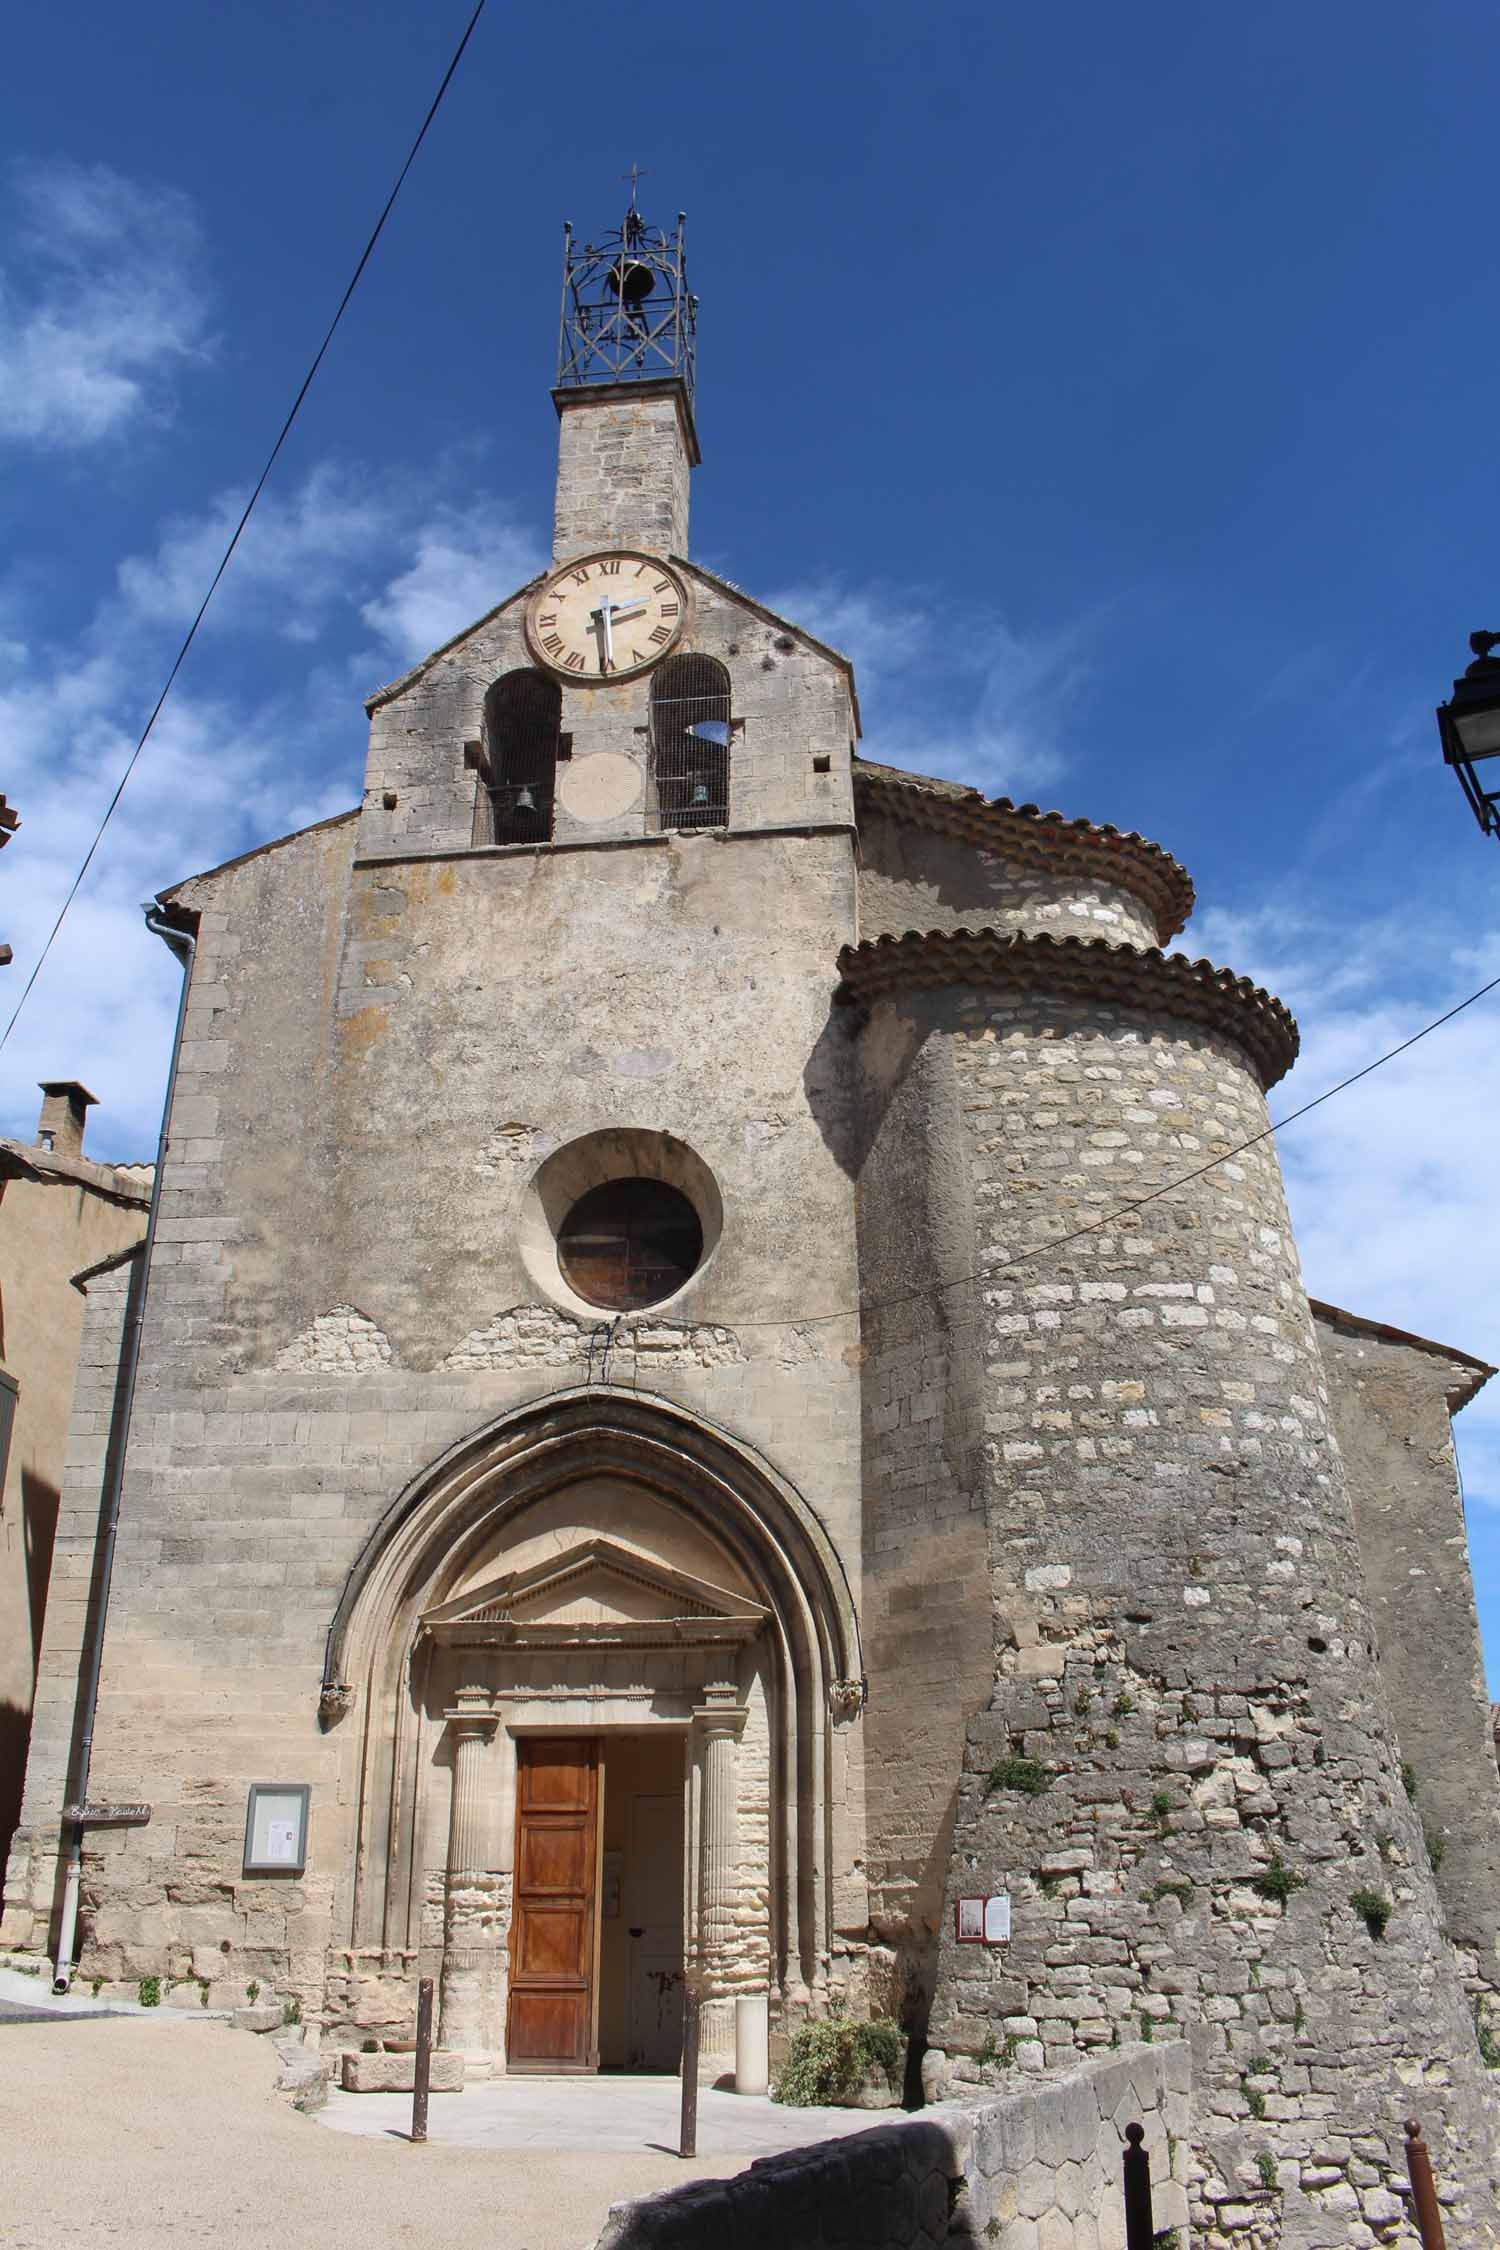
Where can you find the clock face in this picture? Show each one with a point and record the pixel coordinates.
(601, 617)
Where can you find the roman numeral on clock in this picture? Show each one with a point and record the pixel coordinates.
(609, 570)
(574, 663)
(553, 644)
(659, 636)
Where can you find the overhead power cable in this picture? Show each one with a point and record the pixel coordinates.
(281, 437)
(1137, 1203)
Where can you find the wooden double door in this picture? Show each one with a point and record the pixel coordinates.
(554, 1911)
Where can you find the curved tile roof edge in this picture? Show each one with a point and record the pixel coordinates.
(1087, 969)
(1037, 838)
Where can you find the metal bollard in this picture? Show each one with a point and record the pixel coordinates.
(1138, 2224)
(422, 2072)
(1423, 2193)
(687, 2139)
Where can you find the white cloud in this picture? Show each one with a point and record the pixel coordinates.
(957, 695)
(467, 560)
(1390, 1184)
(352, 571)
(101, 297)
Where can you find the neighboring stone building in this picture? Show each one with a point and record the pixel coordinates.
(60, 1216)
(693, 1423)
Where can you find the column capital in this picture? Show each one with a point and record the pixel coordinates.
(720, 1719)
(473, 1712)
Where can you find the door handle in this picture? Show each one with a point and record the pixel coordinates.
(638, 1933)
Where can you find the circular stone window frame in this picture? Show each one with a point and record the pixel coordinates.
(617, 1152)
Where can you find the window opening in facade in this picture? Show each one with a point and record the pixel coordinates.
(690, 731)
(522, 722)
(629, 1243)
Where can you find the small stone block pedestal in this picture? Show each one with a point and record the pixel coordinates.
(395, 2074)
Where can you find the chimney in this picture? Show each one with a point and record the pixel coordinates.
(60, 1126)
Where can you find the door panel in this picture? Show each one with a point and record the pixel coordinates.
(552, 1919)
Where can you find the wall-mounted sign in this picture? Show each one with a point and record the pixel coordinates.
(276, 1827)
(90, 1813)
(982, 1921)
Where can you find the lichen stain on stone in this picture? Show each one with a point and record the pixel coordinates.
(361, 1030)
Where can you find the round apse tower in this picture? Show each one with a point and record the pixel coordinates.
(1183, 1769)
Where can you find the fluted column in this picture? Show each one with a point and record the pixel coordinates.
(717, 1726)
(470, 1904)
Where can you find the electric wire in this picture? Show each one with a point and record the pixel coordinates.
(191, 635)
(1120, 1211)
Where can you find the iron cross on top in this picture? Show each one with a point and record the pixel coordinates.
(635, 175)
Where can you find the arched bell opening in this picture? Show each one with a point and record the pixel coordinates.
(606, 1571)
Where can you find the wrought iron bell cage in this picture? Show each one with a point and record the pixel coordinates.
(627, 316)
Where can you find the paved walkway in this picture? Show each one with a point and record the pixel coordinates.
(158, 2132)
(629, 2114)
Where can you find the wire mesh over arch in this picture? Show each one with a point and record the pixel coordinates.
(690, 736)
(522, 724)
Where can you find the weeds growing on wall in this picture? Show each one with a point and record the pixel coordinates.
(1023, 1774)
(829, 2061)
(1277, 1881)
(1373, 1908)
(148, 1992)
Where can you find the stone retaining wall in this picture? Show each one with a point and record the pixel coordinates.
(1039, 2169)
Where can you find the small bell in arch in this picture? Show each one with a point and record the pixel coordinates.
(525, 802)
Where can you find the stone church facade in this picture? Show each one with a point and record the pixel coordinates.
(698, 1395)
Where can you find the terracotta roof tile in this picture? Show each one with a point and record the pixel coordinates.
(1082, 969)
(1035, 838)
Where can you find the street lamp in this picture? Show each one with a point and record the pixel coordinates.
(1469, 728)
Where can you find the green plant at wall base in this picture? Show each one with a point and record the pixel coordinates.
(1123, 1705)
(291, 2011)
(1408, 1777)
(96, 1986)
(1148, 2030)
(202, 1984)
(1021, 1774)
(1373, 1908)
(1111, 1738)
(1259, 2066)
(1181, 1891)
(997, 2054)
(252, 1992)
(1083, 1701)
(1161, 1806)
(1277, 1881)
(1436, 1846)
(148, 1992)
(1168, 2239)
(992, 2230)
(828, 2061)
(1265, 2164)
(1255, 2101)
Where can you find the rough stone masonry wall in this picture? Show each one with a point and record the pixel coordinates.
(1038, 2169)
(1186, 1719)
(1391, 1407)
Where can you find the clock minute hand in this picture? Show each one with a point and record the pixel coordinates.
(606, 637)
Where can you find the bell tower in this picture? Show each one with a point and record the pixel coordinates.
(625, 369)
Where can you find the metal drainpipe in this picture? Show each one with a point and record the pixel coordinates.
(183, 947)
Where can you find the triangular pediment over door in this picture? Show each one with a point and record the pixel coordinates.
(596, 1594)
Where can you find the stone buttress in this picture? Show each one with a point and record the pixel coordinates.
(1183, 1768)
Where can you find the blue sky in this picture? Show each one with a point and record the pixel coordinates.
(1116, 386)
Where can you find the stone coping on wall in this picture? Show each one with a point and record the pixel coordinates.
(1092, 971)
(1032, 838)
(1041, 2165)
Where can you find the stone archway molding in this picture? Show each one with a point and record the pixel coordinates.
(592, 1430)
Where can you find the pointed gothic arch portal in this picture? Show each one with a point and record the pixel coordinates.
(597, 1571)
